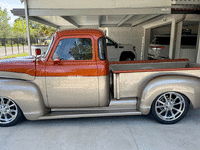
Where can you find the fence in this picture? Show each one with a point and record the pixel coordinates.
(10, 46)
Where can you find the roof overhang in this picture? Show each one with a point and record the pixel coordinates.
(109, 13)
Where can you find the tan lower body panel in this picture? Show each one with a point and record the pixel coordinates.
(77, 91)
(91, 113)
(116, 108)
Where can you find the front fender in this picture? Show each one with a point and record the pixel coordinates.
(27, 96)
(189, 86)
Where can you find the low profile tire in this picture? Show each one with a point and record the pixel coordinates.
(169, 107)
(10, 113)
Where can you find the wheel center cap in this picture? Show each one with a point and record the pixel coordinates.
(168, 105)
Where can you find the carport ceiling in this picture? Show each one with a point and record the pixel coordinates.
(88, 21)
(95, 14)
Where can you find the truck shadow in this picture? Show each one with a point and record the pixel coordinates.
(192, 116)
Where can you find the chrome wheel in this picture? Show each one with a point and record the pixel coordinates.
(170, 107)
(8, 110)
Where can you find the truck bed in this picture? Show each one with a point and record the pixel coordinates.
(145, 66)
(128, 77)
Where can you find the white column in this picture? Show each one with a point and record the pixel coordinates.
(198, 45)
(145, 44)
(178, 40)
(172, 39)
(27, 26)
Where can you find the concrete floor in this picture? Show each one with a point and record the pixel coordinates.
(110, 133)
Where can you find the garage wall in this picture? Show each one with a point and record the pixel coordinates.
(189, 53)
(167, 30)
(127, 36)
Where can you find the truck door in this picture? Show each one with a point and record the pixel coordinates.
(112, 50)
(72, 81)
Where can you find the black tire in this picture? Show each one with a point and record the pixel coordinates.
(170, 107)
(127, 58)
(10, 113)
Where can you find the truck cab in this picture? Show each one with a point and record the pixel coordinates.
(77, 65)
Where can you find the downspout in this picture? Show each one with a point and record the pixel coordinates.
(27, 25)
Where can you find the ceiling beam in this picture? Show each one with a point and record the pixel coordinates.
(18, 12)
(127, 17)
(70, 20)
(40, 20)
(99, 20)
(143, 19)
(97, 12)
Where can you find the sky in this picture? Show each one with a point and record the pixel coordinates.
(9, 5)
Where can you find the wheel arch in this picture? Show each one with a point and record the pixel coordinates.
(188, 86)
(126, 53)
(26, 95)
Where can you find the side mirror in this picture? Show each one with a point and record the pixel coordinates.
(116, 45)
(37, 51)
(56, 61)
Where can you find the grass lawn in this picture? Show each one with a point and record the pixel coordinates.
(16, 55)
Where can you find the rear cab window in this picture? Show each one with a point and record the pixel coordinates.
(102, 49)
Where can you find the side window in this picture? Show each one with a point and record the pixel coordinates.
(74, 49)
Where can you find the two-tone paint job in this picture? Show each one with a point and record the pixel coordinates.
(45, 88)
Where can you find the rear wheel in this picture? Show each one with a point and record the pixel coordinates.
(10, 113)
(170, 107)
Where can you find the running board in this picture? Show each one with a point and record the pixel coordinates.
(89, 113)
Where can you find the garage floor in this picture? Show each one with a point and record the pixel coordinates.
(110, 133)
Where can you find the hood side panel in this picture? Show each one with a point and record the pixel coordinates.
(17, 68)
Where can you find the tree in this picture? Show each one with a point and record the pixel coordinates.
(19, 28)
(36, 29)
(5, 28)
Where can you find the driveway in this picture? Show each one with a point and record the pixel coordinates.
(110, 133)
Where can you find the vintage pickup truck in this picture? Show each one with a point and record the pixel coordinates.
(74, 79)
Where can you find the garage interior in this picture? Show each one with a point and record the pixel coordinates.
(129, 22)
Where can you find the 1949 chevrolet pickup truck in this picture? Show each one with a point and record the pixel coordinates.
(74, 79)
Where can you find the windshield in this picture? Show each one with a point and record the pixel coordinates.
(49, 47)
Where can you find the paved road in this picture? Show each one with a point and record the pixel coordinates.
(15, 50)
(110, 133)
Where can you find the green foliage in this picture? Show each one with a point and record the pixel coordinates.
(5, 28)
(13, 56)
(19, 28)
(36, 29)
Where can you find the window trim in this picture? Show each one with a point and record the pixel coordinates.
(73, 36)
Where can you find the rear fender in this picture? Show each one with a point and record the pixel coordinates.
(27, 96)
(188, 86)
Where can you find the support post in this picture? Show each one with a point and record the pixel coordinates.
(145, 44)
(198, 45)
(178, 40)
(172, 39)
(27, 26)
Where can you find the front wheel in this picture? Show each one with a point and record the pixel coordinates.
(10, 113)
(169, 107)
